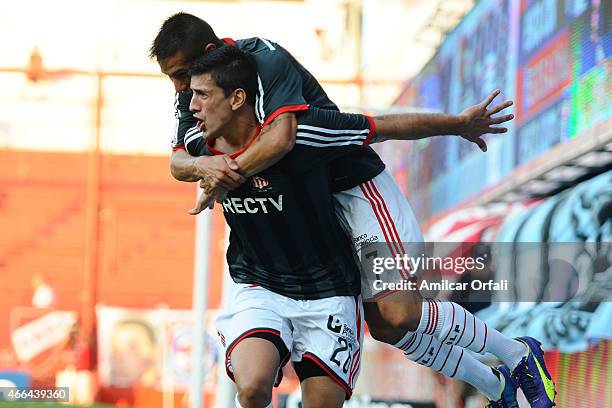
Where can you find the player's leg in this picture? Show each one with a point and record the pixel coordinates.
(392, 317)
(257, 341)
(524, 358)
(450, 360)
(378, 206)
(322, 392)
(255, 362)
(384, 227)
(383, 327)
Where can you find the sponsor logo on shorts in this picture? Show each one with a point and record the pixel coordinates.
(364, 240)
(342, 354)
(335, 325)
(348, 334)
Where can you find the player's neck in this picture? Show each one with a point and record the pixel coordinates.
(239, 133)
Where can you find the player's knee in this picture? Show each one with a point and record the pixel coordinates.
(401, 315)
(254, 392)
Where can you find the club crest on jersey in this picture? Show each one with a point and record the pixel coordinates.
(259, 183)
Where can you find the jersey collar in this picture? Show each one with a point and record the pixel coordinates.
(238, 153)
(229, 41)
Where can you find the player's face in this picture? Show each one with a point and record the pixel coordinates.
(176, 68)
(210, 105)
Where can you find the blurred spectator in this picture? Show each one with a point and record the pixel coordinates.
(133, 353)
(44, 295)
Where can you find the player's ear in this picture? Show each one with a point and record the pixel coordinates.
(238, 99)
(209, 47)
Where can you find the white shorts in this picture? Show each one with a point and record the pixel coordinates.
(327, 332)
(383, 226)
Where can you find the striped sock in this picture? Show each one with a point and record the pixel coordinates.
(452, 324)
(452, 361)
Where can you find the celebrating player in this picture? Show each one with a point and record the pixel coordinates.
(370, 201)
(297, 281)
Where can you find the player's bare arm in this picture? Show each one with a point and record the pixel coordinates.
(216, 171)
(470, 124)
(274, 142)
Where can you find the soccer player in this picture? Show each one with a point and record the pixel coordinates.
(370, 200)
(297, 282)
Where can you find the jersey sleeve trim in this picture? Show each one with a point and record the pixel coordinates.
(285, 109)
(179, 147)
(372, 129)
(192, 135)
(229, 41)
(317, 136)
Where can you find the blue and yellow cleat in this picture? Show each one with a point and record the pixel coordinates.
(508, 395)
(532, 376)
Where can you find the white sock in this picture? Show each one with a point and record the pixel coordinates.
(480, 376)
(511, 356)
(452, 324)
(240, 406)
(451, 361)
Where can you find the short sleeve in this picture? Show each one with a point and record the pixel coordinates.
(323, 135)
(279, 81)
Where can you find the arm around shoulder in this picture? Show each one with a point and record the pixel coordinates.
(273, 143)
(183, 166)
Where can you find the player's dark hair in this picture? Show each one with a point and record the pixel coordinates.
(231, 69)
(183, 32)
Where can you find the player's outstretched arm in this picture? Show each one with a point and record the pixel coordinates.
(470, 124)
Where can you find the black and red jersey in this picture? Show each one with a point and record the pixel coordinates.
(284, 85)
(285, 233)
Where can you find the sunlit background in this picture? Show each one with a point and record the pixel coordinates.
(97, 251)
(360, 51)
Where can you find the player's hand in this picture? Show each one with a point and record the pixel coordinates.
(204, 201)
(219, 194)
(477, 120)
(218, 174)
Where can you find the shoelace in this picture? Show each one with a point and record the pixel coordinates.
(528, 385)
